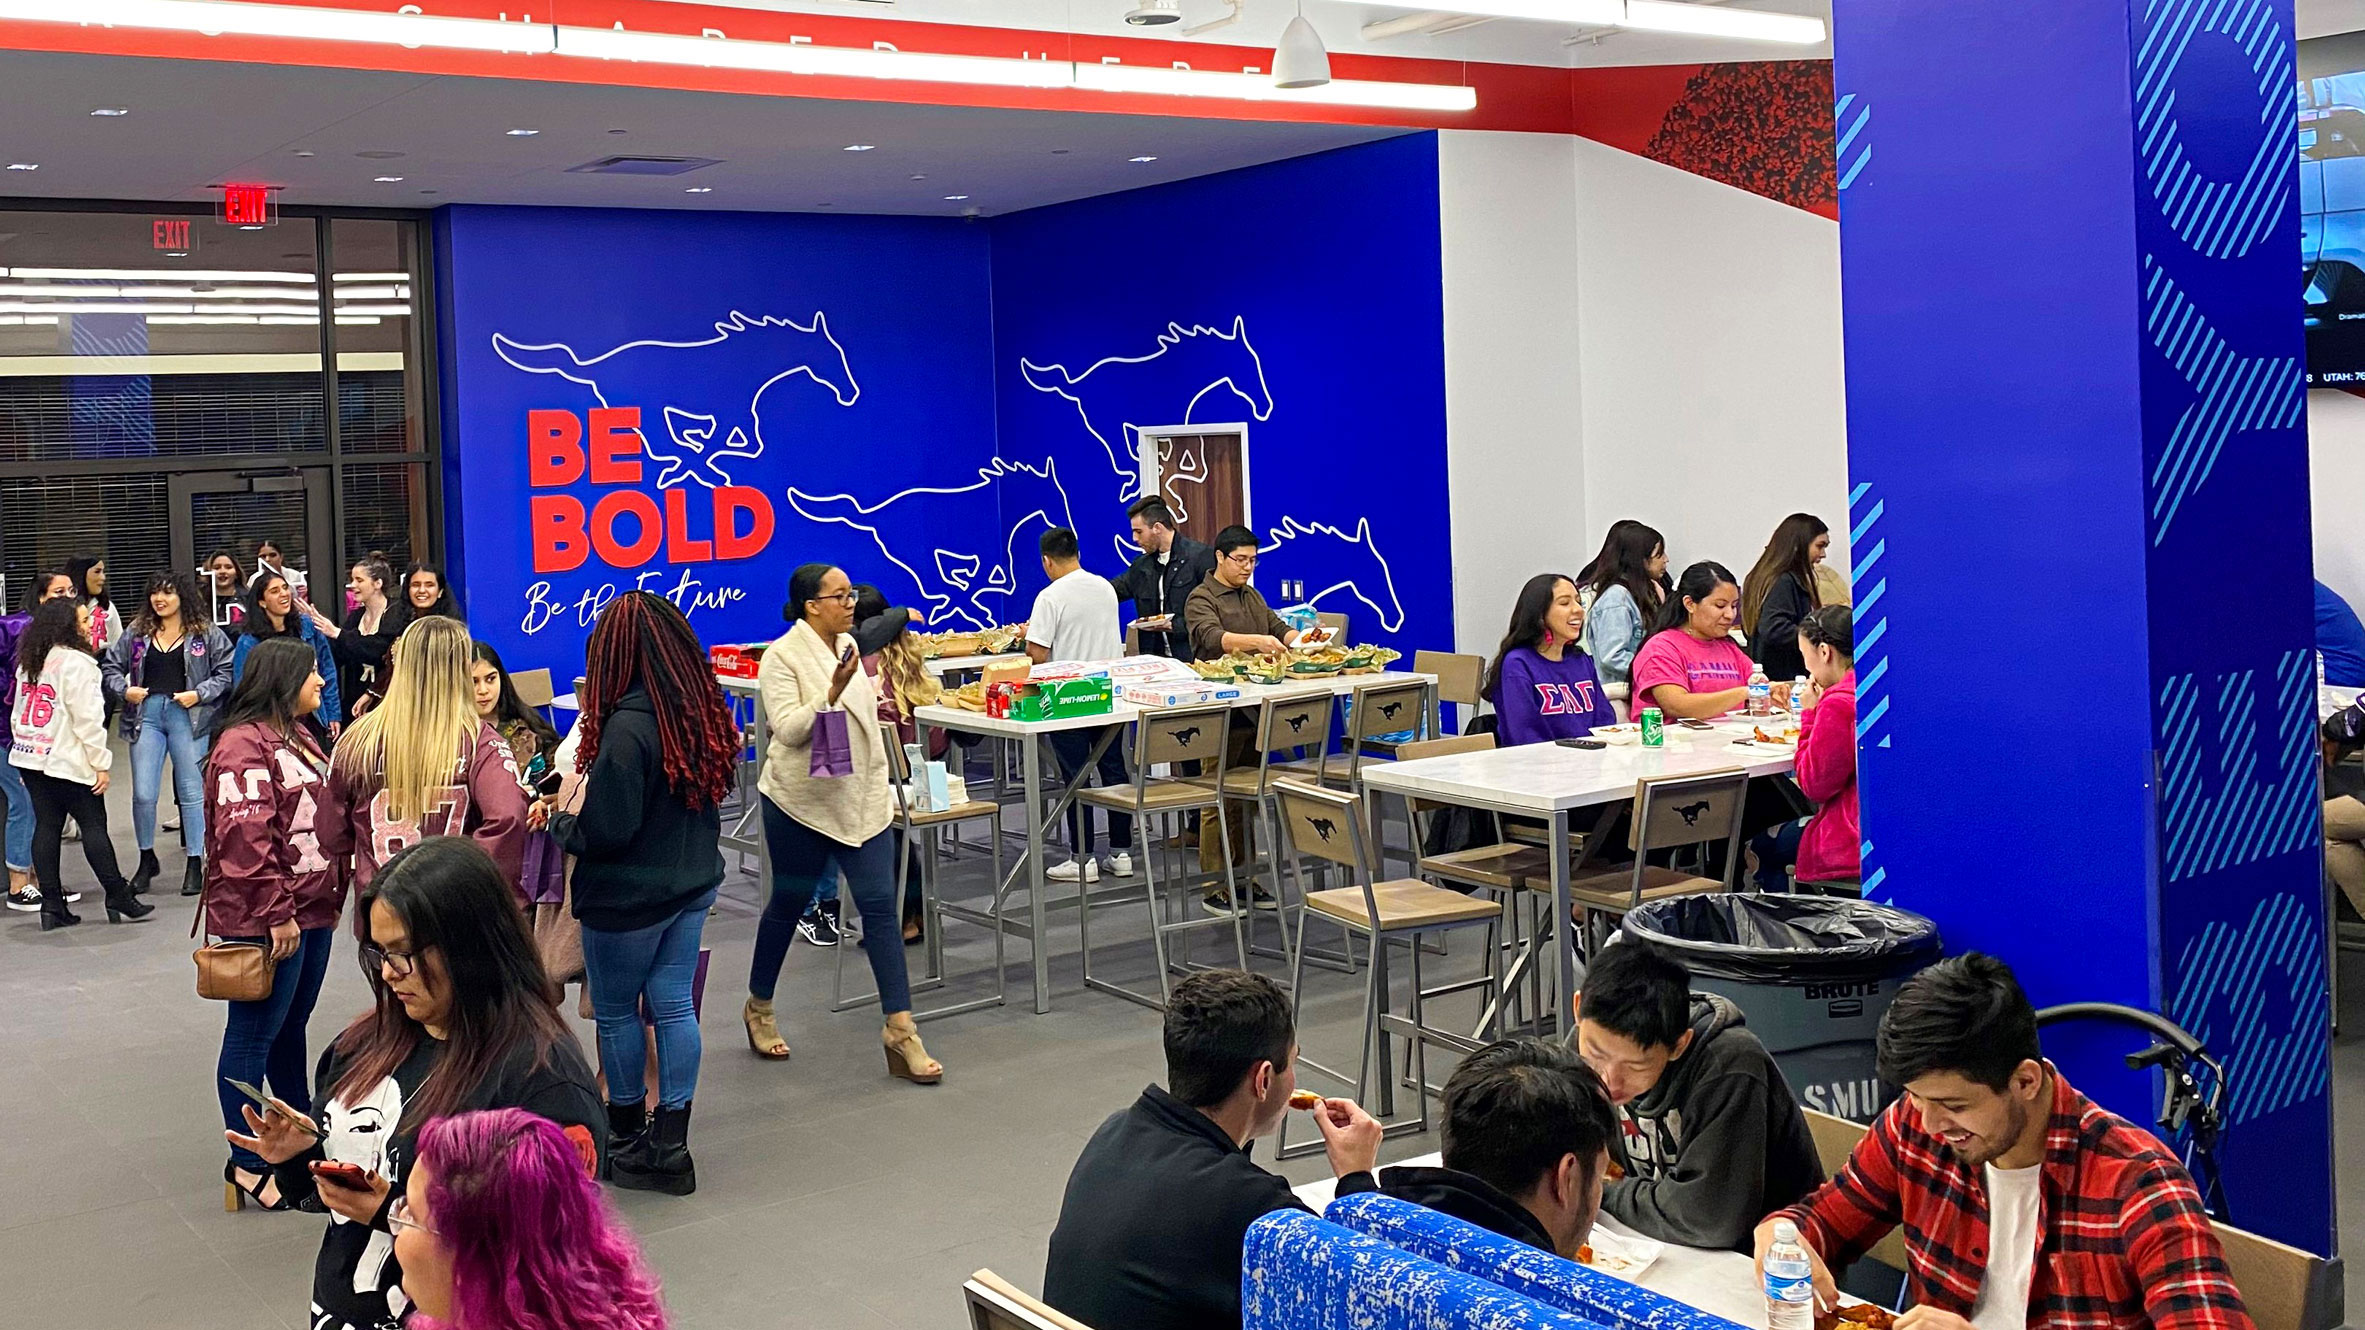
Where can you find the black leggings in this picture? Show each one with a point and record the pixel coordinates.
(54, 801)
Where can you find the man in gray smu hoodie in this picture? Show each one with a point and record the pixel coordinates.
(1711, 1138)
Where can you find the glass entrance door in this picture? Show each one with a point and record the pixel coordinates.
(238, 511)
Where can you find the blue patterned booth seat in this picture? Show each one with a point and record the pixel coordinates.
(1301, 1273)
(1528, 1271)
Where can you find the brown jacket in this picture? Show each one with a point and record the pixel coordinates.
(263, 860)
(1215, 609)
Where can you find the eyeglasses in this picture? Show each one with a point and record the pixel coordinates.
(846, 597)
(395, 964)
(399, 1218)
(1247, 562)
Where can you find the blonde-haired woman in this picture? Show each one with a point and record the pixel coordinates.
(423, 763)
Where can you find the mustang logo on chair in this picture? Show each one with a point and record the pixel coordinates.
(1295, 723)
(1690, 813)
(1183, 736)
(1388, 710)
(1323, 827)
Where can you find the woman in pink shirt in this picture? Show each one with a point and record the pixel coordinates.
(1827, 846)
(1691, 668)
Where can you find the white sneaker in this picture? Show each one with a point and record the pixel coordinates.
(1120, 865)
(1075, 870)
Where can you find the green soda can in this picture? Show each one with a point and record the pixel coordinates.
(1654, 728)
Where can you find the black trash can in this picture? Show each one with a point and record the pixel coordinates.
(1812, 973)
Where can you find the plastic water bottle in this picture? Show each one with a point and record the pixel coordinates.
(1761, 692)
(1798, 695)
(1790, 1281)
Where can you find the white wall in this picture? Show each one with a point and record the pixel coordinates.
(1624, 339)
(1713, 402)
(2336, 489)
(1516, 494)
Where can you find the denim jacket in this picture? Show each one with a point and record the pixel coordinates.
(209, 656)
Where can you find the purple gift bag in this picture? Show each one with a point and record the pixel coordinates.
(833, 746)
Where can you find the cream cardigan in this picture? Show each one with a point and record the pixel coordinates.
(794, 681)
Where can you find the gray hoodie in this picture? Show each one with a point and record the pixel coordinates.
(1717, 1145)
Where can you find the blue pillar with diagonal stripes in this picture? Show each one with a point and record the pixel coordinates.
(2069, 245)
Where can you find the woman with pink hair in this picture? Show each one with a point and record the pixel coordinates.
(502, 1228)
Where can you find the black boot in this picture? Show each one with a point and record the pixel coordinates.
(148, 872)
(54, 913)
(193, 877)
(663, 1162)
(122, 904)
(628, 1129)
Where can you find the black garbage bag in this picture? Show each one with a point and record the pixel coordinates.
(1785, 939)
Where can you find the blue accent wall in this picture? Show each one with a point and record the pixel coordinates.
(1303, 298)
(874, 380)
(2073, 369)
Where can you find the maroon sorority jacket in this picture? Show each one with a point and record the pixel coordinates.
(487, 803)
(263, 859)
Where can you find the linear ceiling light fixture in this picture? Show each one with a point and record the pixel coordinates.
(880, 61)
(1695, 20)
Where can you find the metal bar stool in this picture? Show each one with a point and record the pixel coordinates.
(1330, 825)
(1285, 727)
(1670, 812)
(926, 823)
(1168, 737)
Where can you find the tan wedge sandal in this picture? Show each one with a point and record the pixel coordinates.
(763, 1032)
(906, 1057)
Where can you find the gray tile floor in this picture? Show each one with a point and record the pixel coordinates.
(829, 1194)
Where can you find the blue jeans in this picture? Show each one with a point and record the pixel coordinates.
(17, 845)
(659, 963)
(165, 730)
(802, 859)
(1776, 849)
(263, 1043)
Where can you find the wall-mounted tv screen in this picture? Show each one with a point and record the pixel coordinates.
(2332, 206)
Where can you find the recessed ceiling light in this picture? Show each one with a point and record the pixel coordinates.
(523, 133)
(378, 154)
(111, 111)
(431, 191)
(1141, 159)
(389, 179)
(920, 176)
(860, 147)
(24, 166)
(954, 198)
(619, 131)
(306, 152)
(699, 189)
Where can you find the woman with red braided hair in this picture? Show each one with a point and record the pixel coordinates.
(647, 840)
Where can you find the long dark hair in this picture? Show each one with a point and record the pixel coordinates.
(1697, 582)
(39, 590)
(194, 622)
(1789, 553)
(79, 568)
(1527, 623)
(56, 624)
(266, 691)
(258, 620)
(512, 709)
(446, 605)
(453, 900)
(1625, 560)
(642, 639)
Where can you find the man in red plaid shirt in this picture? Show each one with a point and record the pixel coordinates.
(2024, 1204)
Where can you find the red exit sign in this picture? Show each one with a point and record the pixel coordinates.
(174, 235)
(248, 205)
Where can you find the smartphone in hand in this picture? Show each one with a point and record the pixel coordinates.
(352, 1177)
(267, 1106)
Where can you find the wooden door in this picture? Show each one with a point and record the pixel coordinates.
(1204, 479)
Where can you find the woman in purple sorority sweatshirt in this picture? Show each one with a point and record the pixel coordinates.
(1542, 683)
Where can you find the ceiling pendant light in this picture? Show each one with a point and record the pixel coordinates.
(1300, 61)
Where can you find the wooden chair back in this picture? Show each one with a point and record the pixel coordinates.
(1287, 723)
(997, 1304)
(1387, 708)
(1182, 734)
(1835, 1140)
(1458, 676)
(1674, 811)
(1327, 824)
(2284, 1287)
(533, 687)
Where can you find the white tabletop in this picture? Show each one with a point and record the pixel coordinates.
(1722, 1283)
(943, 665)
(1120, 713)
(1544, 777)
